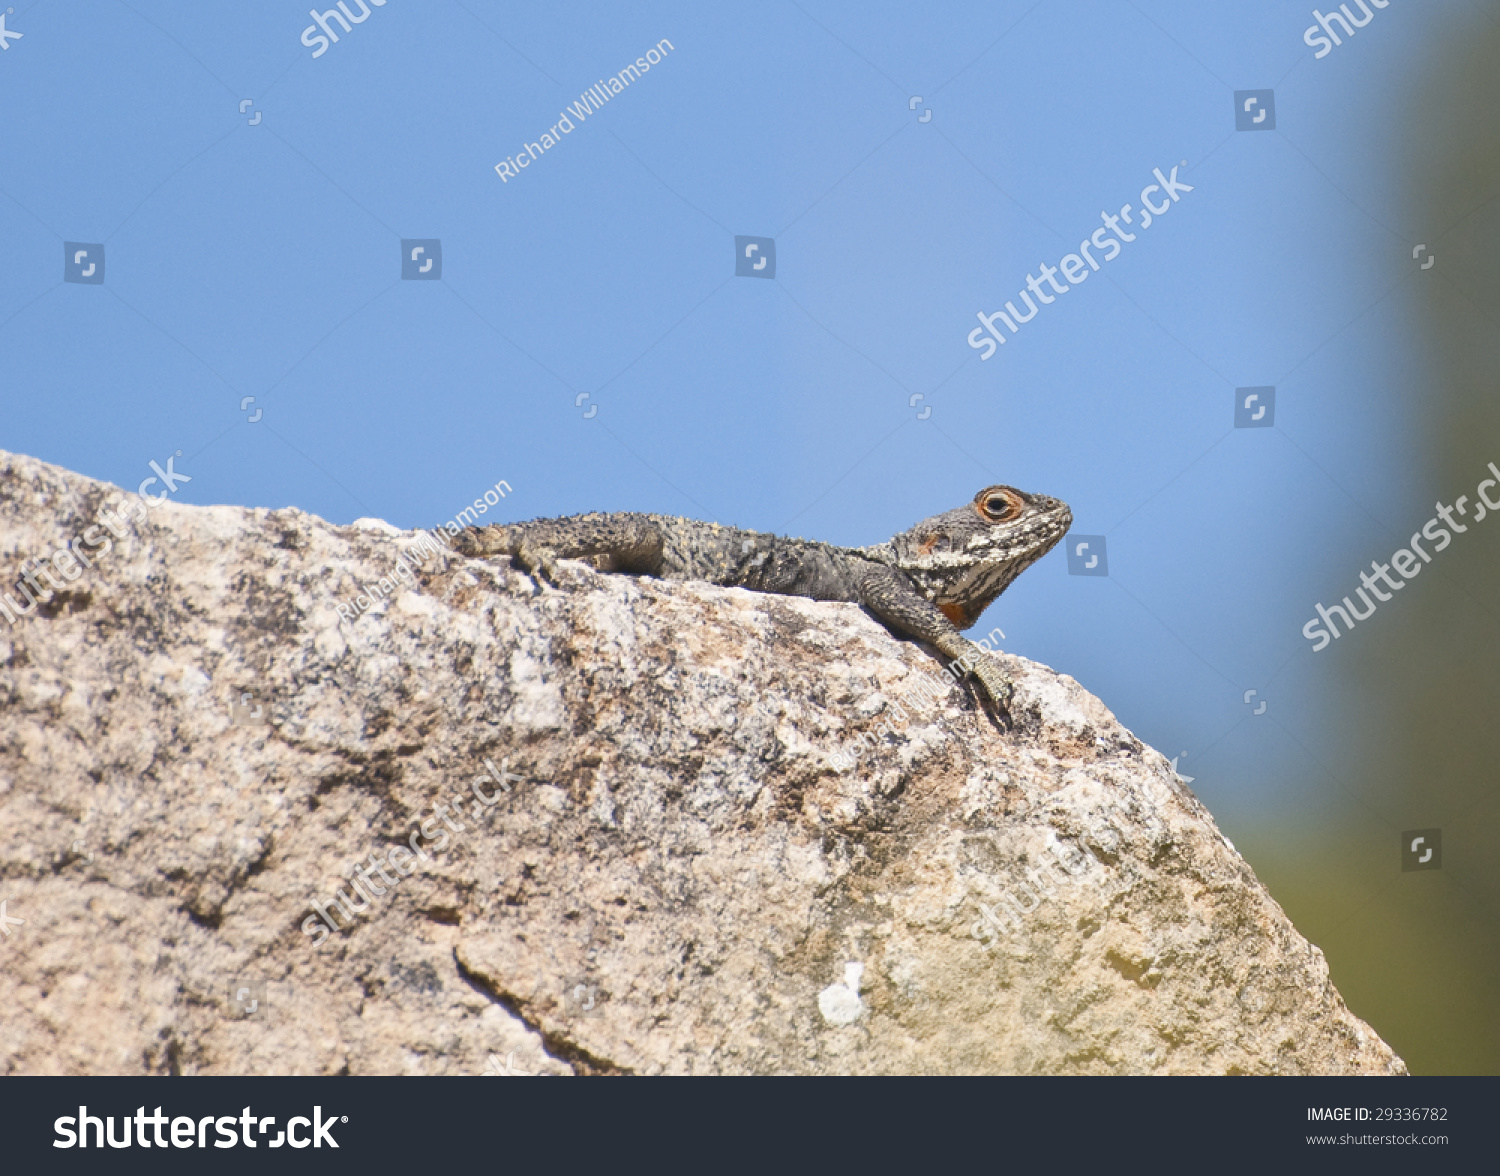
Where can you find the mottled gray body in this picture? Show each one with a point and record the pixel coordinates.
(927, 582)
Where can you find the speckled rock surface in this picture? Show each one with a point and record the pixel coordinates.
(656, 853)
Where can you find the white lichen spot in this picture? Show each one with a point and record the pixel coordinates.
(415, 604)
(840, 1003)
(379, 525)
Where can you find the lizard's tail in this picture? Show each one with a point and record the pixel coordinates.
(475, 542)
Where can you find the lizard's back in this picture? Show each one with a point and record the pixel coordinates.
(927, 582)
(735, 558)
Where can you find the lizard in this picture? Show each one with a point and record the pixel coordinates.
(928, 582)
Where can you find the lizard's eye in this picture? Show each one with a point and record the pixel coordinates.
(997, 506)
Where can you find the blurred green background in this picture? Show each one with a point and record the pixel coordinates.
(1413, 739)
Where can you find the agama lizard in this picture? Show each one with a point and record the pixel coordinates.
(928, 582)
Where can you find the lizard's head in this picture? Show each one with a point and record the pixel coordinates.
(963, 559)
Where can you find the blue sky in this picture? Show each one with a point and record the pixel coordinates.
(264, 260)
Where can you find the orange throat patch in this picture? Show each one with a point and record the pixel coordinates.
(956, 614)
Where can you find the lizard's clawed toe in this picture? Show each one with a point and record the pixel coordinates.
(541, 562)
(996, 683)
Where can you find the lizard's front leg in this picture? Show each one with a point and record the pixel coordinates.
(978, 661)
(892, 598)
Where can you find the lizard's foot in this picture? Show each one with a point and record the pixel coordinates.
(541, 560)
(995, 681)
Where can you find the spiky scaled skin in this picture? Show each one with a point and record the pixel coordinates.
(928, 582)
